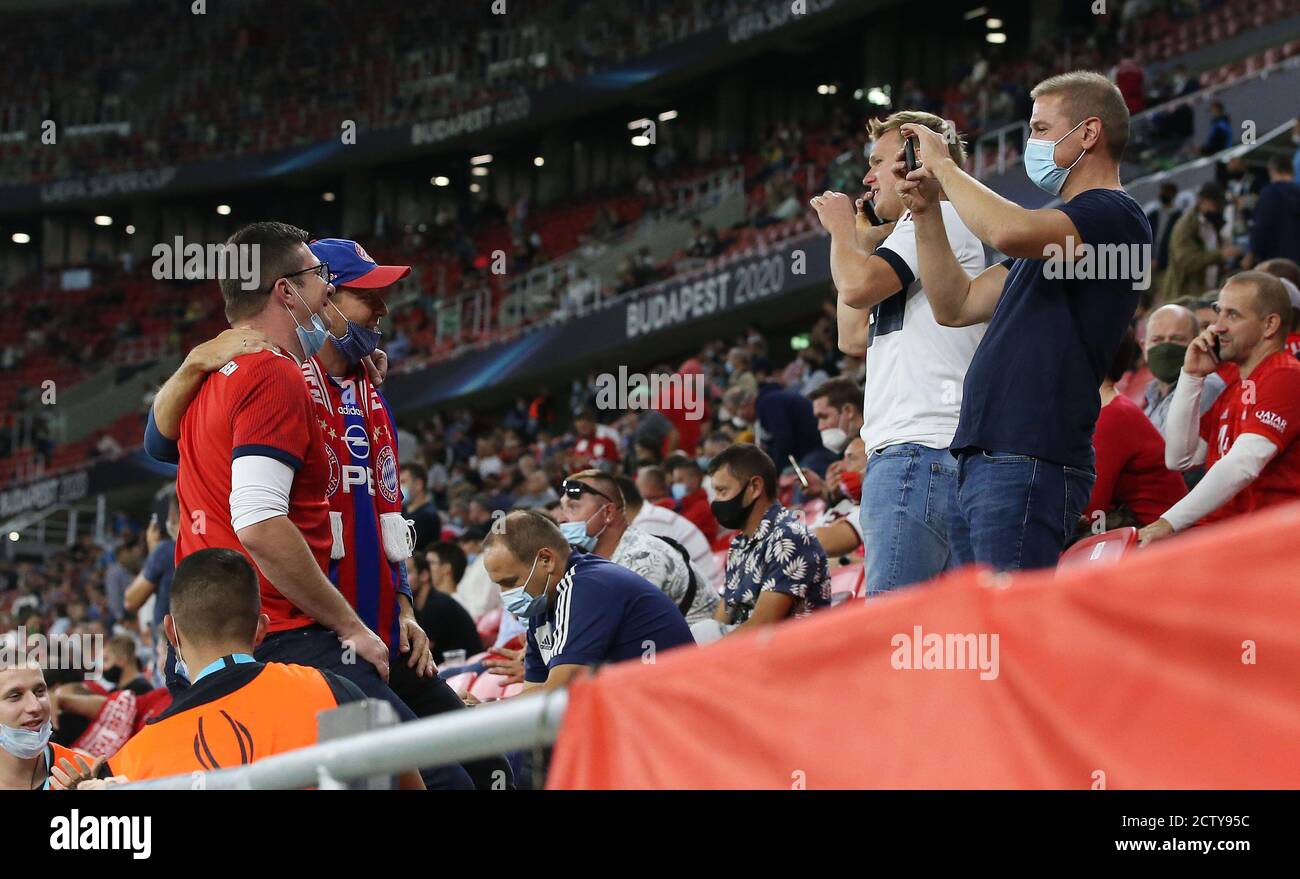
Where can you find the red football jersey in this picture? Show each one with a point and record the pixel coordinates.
(1268, 403)
(596, 449)
(255, 405)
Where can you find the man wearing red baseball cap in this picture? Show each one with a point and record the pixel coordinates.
(369, 536)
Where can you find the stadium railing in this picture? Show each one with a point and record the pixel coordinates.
(521, 723)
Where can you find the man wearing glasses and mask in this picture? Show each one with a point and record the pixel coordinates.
(593, 517)
(281, 469)
(581, 610)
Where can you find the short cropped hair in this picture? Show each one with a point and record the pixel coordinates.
(215, 596)
(524, 533)
(1281, 267)
(1270, 295)
(277, 244)
(956, 148)
(450, 554)
(1090, 94)
(631, 494)
(839, 392)
(745, 461)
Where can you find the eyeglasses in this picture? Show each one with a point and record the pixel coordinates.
(574, 490)
(322, 271)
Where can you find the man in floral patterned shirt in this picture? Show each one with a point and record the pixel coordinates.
(775, 568)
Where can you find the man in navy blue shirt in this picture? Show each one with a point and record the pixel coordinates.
(786, 425)
(1056, 311)
(582, 610)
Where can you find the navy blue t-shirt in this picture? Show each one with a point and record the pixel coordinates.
(602, 612)
(787, 424)
(1032, 387)
(158, 570)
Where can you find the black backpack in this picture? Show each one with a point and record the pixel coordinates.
(689, 598)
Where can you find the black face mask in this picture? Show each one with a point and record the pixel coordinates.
(1215, 218)
(734, 512)
(113, 675)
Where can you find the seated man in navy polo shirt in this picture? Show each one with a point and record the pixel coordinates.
(1057, 311)
(581, 609)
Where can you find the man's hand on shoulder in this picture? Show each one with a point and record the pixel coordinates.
(217, 352)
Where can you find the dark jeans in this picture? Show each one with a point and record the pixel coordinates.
(1015, 511)
(430, 696)
(318, 647)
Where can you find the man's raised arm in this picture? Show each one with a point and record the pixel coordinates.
(176, 394)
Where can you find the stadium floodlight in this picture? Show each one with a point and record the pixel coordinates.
(993, 23)
(223, 209)
(667, 115)
(877, 96)
(641, 141)
(484, 159)
(13, 535)
(538, 161)
(103, 220)
(858, 94)
(327, 196)
(474, 187)
(977, 12)
(832, 89)
(21, 238)
(130, 230)
(638, 123)
(996, 37)
(440, 181)
(823, 89)
(479, 171)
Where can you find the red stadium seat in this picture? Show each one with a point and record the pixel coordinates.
(1106, 548)
(848, 580)
(488, 626)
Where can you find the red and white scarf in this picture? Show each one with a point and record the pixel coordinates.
(383, 464)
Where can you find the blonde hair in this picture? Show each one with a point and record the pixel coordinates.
(1090, 94)
(956, 148)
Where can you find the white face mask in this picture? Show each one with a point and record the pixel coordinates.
(835, 439)
(25, 743)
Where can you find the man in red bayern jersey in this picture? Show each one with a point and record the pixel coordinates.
(1248, 438)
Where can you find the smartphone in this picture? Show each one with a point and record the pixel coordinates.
(798, 471)
(909, 154)
(869, 211)
(1217, 356)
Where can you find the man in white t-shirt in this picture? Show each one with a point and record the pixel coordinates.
(915, 367)
(664, 522)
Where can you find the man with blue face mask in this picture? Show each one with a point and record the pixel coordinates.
(581, 610)
(1057, 309)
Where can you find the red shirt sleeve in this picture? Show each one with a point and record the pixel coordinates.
(1112, 453)
(271, 411)
(1276, 410)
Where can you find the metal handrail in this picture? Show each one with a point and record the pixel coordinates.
(520, 723)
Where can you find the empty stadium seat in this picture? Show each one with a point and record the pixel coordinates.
(1106, 548)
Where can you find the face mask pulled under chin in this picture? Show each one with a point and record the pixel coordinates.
(25, 743)
(311, 340)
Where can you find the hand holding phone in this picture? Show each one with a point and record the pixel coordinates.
(909, 154)
(798, 471)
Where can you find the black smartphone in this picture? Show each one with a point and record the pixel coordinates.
(869, 212)
(909, 154)
(1217, 356)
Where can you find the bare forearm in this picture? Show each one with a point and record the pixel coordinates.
(175, 396)
(278, 548)
(945, 281)
(852, 327)
(848, 263)
(991, 217)
(83, 704)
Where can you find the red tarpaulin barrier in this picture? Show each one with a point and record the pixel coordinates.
(1177, 668)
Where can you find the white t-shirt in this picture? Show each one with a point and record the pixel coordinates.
(915, 367)
(661, 520)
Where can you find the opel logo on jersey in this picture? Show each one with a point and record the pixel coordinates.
(333, 461)
(386, 463)
(204, 740)
(358, 441)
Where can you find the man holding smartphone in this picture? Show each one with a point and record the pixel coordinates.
(1247, 440)
(1025, 461)
(915, 366)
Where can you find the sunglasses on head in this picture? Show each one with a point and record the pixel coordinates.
(574, 490)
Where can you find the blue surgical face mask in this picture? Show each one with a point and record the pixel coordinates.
(311, 340)
(1040, 163)
(25, 743)
(357, 342)
(576, 534)
(679, 490)
(522, 604)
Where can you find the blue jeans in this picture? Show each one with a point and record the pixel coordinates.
(320, 648)
(908, 493)
(1016, 511)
